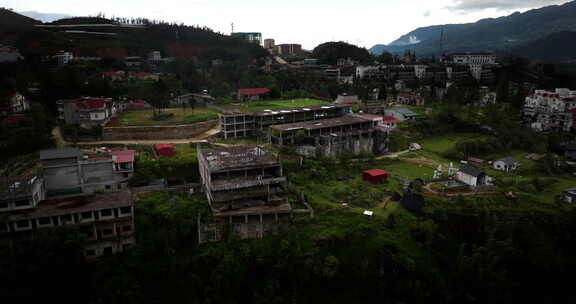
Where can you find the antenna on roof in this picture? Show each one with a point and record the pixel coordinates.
(232, 28)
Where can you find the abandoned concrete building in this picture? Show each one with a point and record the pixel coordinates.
(245, 190)
(104, 220)
(350, 134)
(238, 124)
(71, 171)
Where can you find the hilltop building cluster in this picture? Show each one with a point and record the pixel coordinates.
(551, 110)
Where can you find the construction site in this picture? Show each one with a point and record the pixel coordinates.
(245, 189)
(239, 124)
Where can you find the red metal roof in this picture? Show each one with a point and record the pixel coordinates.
(90, 102)
(375, 172)
(124, 156)
(13, 119)
(136, 104)
(253, 91)
(165, 149)
(390, 119)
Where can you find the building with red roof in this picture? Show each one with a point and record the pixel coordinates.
(114, 75)
(123, 162)
(347, 99)
(13, 102)
(165, 150)
(375, 176)
(87, 112)
(410, 99)
(252, 94)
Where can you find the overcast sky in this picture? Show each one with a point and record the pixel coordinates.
(308, 22)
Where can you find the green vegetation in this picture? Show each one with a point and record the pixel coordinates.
(254, 106)
(179, 116)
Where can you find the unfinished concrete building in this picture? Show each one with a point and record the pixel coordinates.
(70, 171)
(105, 221)
(351, 134)
(245, 190)
(237, 125)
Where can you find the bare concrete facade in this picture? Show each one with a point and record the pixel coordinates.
(71, 171)
(105, 220)
(351, 134)
(238, 125)
(245, 190)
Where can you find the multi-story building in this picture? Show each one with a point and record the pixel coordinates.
(86, 112)
(9, 54)
(21, 193)
(269, 44)
(70, 171)
(105, 221)
(252, 37)
(551, 111)
(346, 135)
(244, 187)
(410, 99)
(289, 49)
(155, 56)
(64, 58)
(13, 102)
(470, 58)
(237, 125)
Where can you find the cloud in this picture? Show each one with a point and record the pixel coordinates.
(479, 5)
(44, 17)
(427, 13)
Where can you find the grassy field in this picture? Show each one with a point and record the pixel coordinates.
(179, 117)
(254, 106)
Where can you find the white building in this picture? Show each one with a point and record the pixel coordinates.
(471, 176)
(471, 58)
(551, 110)
(64, 58)
(506, 164)
(155, 56)
(9, 54)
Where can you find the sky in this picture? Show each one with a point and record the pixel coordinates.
(307, 22)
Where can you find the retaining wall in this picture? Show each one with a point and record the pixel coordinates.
(157, 132)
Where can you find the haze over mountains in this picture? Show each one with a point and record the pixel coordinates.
(546, 33)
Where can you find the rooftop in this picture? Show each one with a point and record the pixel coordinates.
(253, 91)
(76, 204)
(18, 186)
(300, 109)
(321, 124)
(60, 153)
(507, 160)
(237, 158)
(406, 112)
(123, 156)
(471, 170)
(268, 209)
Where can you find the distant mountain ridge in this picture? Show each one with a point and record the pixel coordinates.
(502, 35)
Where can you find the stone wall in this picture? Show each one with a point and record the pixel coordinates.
(157, 132)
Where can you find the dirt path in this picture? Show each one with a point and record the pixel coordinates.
(428, 188)
(393, 155)
(58, 138)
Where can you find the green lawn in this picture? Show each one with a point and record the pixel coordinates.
(254, 106)
(179, 116)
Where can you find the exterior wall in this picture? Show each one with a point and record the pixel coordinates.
(36, 194)
(502, 166)
(467, 179)
(158, 132)
(65, 177)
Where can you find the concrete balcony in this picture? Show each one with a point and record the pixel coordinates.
(233, 184)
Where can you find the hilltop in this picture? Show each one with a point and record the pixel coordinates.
(503, 35)
(89, 36)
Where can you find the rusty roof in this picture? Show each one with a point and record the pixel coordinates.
(323, 123)
(240, 157)
(76, 204)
